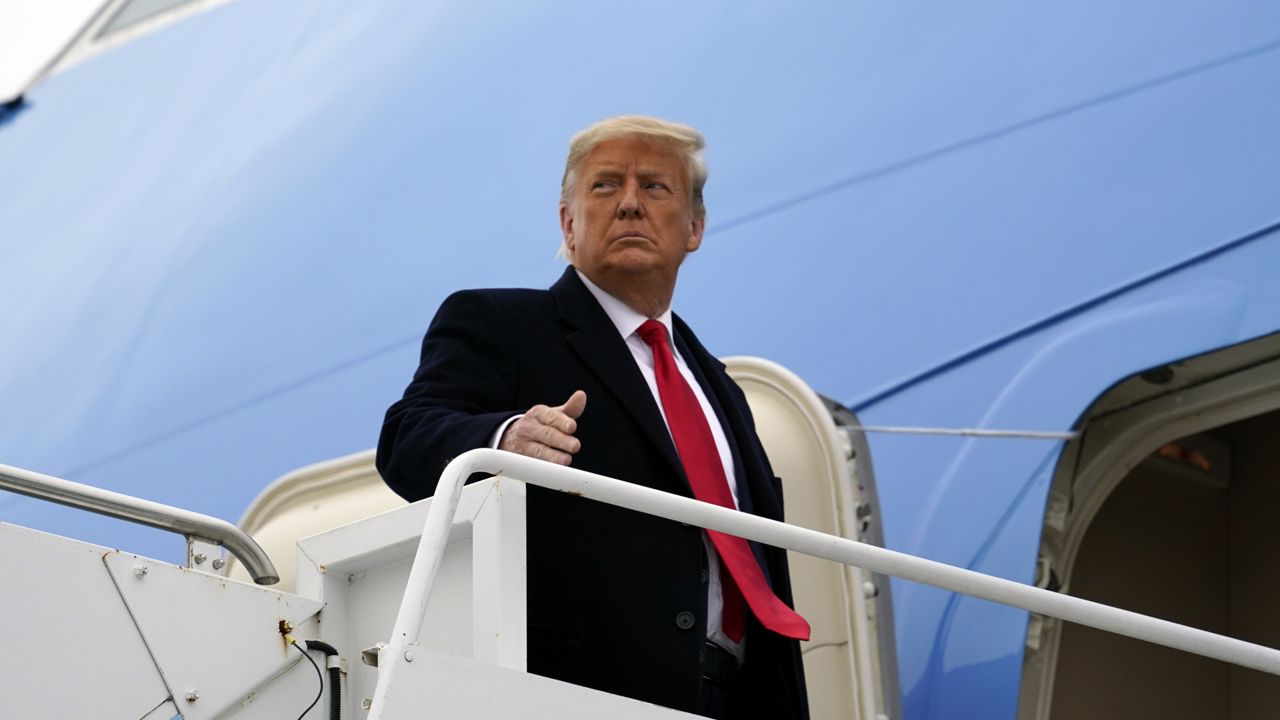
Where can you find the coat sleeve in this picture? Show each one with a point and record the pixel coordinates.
(460, 394)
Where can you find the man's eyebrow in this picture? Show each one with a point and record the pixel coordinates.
(605, 173)
(658, 173)
(612, 170)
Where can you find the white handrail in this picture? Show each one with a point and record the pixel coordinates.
(144, 512)
(771, 532)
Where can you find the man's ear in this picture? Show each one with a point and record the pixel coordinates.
(695, 234)
(566, 227)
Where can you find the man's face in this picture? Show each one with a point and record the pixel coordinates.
(629, 220)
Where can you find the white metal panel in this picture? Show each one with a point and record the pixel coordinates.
(455, 687)
(210, 636)
(283, 696)
(164, 711)
(63, 625)
(499, 576)
(360, 572)
(372, 598)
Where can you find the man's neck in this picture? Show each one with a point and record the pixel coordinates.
(623, 316)
(648, 299)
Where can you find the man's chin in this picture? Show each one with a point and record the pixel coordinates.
(633, 267)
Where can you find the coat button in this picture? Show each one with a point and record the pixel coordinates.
(702, 576)
(684, 620)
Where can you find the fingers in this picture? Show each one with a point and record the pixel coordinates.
(530, 436)
(553, 417)
(554, 431)
(533, 449)
(546, 433)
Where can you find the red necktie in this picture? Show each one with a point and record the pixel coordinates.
(697, 449)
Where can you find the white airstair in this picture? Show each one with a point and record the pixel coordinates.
(417, 611)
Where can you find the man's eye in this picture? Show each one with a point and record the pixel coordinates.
(601, 185)
(654, 185)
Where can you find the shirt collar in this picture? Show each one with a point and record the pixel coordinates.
(624, 318)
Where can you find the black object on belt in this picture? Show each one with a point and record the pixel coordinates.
(719, 666)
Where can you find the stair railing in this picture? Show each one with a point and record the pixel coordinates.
(435, 533)
(194, 526)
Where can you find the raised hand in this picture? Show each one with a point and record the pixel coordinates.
(546, 432)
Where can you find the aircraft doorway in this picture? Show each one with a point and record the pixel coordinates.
(1167, 505)
(1190, 535)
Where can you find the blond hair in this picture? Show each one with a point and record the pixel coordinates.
(681, 138)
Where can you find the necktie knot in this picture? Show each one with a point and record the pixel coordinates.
(653, 333)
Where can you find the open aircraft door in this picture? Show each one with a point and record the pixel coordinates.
(823, 460)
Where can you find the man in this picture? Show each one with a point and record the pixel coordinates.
(598, 373)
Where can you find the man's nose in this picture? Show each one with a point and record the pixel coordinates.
(629, 205)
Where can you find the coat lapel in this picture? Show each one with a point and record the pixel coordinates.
(594, 338)
(707, 370)
(752, 469)
(751, 476)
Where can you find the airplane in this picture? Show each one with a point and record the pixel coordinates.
(1031, 250)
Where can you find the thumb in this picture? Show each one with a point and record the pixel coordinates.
(574, 406)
